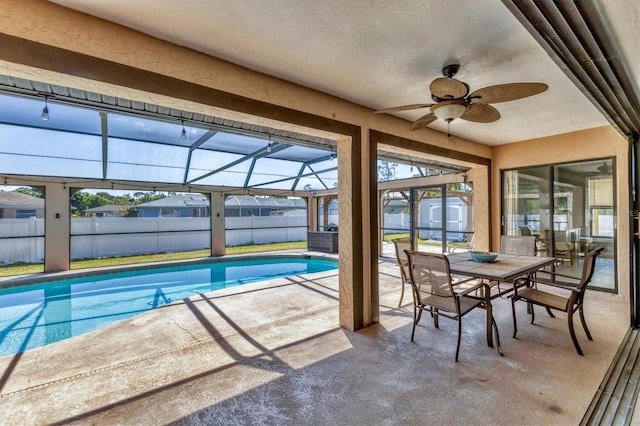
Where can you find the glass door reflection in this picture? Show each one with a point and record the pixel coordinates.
(570, 208)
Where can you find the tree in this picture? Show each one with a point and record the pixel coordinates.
(386, 171)
(81, 201)
(30, 191)
(149, 196)
(460, 187)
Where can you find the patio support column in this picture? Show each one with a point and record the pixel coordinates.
(312, 213)
(483, 221)
(325, 212)
(218, 240)
(379, 232)
(56, 228)
(357, 203)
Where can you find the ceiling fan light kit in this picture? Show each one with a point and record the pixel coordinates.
(453, 101)
(449, 110)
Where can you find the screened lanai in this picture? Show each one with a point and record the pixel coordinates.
(87, 140)
(68, 133)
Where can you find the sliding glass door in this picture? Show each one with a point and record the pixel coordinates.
(526, 202)
(570, 208)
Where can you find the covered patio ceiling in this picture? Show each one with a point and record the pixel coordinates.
(385, 60)
(382, 54)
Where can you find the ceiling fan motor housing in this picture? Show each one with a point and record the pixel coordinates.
(450, 70)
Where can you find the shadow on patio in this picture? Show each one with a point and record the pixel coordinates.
(273, 353)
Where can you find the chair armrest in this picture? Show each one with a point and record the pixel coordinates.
(560, 285)
(558, 274)
(471, 289)
(456, 281)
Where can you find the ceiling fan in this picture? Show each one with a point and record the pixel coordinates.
(604, 170)
(452, 99)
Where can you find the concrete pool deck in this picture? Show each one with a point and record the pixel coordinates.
(273, 353)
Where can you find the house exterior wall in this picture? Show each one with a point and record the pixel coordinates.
(11, 212)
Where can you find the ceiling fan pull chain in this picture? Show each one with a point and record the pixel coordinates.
(448, 128)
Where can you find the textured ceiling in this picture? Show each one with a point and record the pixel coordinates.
(384, 53)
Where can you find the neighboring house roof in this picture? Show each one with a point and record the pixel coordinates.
(198, 200)
(177, 201)
(396, 203)
(109, 208)
(17, 199)
(249, 200)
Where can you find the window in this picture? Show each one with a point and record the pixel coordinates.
(602, 220)
(25, 214)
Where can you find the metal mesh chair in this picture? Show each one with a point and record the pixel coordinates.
(525, 231)
(401, 245)
(433, 290)
(564, 248)
(571, 301)
(522, 245)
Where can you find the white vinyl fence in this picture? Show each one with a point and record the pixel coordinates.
(19, 241)
(395, 223)
(265, 229)
(122, 236)
(118, 236)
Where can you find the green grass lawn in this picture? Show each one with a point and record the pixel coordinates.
(388, 237)
(35, 268)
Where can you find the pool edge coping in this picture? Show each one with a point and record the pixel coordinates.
(25, 280)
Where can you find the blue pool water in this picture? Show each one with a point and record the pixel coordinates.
(40, 314)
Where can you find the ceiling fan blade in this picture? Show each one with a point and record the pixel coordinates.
(403, 108)
(481, 113)
(507, 92)
(448, 88)
(423, 121)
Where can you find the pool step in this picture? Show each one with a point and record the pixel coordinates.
(616, 396)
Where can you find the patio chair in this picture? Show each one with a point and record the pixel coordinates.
(523, 245)
(542, 247)
(452, 246)
(433, 290)
(569, 299)
(525, 231)
(520, 245)
(401, 245)
(564, 248)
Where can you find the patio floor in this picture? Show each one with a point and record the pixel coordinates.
(273, 353)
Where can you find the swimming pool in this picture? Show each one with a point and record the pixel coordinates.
(36, 315)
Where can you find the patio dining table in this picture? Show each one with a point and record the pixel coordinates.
(506, 268)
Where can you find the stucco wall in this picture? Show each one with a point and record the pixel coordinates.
(577, 146)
